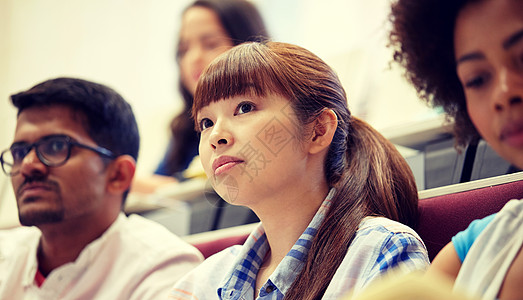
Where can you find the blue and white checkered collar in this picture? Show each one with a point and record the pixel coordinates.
(240, 281)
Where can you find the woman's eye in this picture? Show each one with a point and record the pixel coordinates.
(182, 49)
(244, 107)
(205, 123)
(476, 82)
(215, 42)
(211, 45)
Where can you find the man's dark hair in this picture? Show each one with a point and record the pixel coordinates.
(106, 116)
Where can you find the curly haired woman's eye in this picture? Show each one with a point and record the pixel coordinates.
(476, 82)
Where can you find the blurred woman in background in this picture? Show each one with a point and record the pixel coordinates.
(208, 28)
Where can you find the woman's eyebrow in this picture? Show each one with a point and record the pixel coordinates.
(509, 42)
(513, 39)
(470, 56)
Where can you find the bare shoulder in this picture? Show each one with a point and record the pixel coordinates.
(512, 287)
(446, 262)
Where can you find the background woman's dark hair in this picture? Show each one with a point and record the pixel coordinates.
(370, 176)
(423, 42)
(242, 22)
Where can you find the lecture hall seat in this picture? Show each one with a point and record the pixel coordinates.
(444, 211)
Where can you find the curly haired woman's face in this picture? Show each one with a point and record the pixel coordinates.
(488, 41)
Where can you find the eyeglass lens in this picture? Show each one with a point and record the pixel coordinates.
(51, 152)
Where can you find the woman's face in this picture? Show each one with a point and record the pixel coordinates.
(250, 147)
(202, 39)
(488, 39)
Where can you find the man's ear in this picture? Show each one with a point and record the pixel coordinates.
(323, 131)
(121, 173)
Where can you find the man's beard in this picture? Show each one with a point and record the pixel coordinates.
(35, 217)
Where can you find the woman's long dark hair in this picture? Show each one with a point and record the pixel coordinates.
(370, 176)
(242, 22)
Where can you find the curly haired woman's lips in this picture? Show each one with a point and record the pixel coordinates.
(512, 134)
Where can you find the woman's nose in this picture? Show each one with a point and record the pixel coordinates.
(221, 136)
(509, 90)
(194, 54)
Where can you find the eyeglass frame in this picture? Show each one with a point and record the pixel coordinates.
(70, 144)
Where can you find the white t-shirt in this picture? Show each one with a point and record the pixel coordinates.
(134, 259)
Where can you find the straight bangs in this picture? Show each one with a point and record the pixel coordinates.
(249, 69)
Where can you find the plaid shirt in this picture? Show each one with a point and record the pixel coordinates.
(380, 244)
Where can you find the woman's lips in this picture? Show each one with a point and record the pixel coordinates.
(224, 163)
(512, 134)
(196, 75)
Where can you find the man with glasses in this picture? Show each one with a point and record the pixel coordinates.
(71, 165)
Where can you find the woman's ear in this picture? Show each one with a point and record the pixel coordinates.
(121, 173)
(323, 131)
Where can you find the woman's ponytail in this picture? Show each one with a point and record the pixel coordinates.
(376, 181)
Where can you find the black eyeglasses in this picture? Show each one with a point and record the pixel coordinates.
(52, 151)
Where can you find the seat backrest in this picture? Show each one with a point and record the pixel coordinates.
(215, 241)
(443, 211)
(448, 210)
(214, 246)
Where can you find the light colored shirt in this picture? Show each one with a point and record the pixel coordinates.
(379, 245)
(134, 259)
(490, 257)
